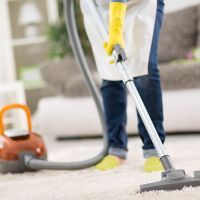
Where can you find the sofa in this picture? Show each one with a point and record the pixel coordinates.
(72, 112)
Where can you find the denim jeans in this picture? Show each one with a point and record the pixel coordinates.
(115, 102)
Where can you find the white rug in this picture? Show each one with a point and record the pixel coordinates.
(119, 184)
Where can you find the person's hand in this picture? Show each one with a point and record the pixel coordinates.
(117, 13)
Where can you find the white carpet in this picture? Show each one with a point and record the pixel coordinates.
(119, 184)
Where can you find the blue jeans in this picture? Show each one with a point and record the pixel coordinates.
(115, 102)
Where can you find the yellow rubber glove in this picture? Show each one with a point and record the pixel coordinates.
(117, 14)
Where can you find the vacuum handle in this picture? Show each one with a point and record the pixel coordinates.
(11, 107)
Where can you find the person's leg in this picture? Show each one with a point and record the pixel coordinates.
(115, 103)
(150, 91)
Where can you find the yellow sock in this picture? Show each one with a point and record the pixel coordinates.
(109, 162)
(153, 164)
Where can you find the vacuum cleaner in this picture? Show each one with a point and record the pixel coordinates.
(27, 151)
(22, 151)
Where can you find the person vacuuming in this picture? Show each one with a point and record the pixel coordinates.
(114, 91)
(27, 152)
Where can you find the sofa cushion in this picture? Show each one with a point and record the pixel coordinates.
(180, 76)
(64, 77)
(179, 34)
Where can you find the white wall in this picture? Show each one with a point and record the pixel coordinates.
(172, 5)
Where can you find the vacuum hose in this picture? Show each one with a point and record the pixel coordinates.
(36, 164)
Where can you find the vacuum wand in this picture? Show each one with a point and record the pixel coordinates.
(120, 58)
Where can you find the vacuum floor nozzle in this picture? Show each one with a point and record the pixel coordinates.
(174, 180)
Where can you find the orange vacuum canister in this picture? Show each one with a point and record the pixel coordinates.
(14, 147)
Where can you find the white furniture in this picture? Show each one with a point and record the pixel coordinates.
(14, 46)
(10, 44)
(13, 93)
(59, 116)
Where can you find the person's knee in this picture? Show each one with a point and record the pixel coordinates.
(114, 96)
(112, 84)
(148, 81)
